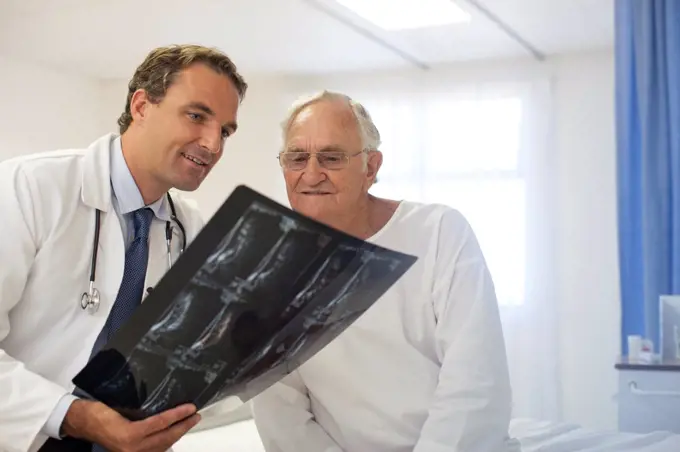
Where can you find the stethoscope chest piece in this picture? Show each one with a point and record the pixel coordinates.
(90, 300)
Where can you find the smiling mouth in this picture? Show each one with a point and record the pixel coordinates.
(195, 160)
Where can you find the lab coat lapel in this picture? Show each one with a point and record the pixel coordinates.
(158, 254)
(176, 243)
(96, 180)
(96, 194)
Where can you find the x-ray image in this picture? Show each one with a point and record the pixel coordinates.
(258, 292)
(343, 285)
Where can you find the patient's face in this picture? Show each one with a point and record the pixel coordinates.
(327, 195)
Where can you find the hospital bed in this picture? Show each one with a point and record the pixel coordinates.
(535, 436)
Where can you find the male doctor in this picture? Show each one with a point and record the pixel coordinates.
(182, 104)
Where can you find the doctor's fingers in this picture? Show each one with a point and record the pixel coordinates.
(163, 420)
(163, 440)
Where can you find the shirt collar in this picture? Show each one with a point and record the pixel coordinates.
(126, 194)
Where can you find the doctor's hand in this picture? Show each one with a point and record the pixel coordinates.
(99, 424)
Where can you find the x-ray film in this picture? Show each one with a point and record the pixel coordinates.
(258, 292)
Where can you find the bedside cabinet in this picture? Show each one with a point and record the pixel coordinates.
(649, 397)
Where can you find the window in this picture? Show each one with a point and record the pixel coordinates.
(464, 152)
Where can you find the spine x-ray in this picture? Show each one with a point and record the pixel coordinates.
(258, 292)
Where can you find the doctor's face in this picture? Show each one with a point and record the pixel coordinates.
(185, 133)
(324, 167)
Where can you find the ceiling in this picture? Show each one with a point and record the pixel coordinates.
(108, 39)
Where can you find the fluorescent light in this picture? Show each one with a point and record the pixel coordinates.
(407, 14)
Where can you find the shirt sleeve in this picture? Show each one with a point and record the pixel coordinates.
(471, 407)
(284, 420)
(53, 425)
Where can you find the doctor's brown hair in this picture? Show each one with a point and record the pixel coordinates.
(161, 66)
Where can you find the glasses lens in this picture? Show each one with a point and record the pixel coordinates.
(294, 160)
(332, 160)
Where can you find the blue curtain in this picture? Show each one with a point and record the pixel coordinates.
(648, 159)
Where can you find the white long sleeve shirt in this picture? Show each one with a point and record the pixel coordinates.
(423, 370)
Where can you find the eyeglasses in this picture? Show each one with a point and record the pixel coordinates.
(330, 160)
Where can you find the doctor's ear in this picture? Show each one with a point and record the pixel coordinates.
(139, 105)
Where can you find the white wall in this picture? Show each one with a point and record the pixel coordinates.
(587, 237)
(43, 109)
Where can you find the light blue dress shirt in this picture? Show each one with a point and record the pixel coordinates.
(126, 199)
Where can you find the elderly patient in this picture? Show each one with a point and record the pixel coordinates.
(423, 370)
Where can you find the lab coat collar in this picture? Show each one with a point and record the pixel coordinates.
(96, 180)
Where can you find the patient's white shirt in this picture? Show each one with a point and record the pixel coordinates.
(423, 370)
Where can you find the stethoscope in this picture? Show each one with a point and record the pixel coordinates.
(89, 300)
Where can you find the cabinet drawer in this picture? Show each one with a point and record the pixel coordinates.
(649, 401)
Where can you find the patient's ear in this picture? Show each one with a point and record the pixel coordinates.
(373, 164)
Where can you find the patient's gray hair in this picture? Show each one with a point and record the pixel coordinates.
(370, 136)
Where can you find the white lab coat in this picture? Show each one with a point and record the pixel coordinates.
(48, 204)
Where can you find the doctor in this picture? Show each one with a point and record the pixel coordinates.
(112, 198)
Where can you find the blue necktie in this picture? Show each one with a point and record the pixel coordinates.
(132, 286)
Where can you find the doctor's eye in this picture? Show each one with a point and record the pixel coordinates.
(197, 117)
(225, 133)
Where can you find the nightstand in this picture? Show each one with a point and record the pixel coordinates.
(649, 397)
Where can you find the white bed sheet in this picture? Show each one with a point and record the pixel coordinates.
(535, 436)
(543, 436)
(240, 436)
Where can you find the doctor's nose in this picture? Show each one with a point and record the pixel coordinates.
(211, 140)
